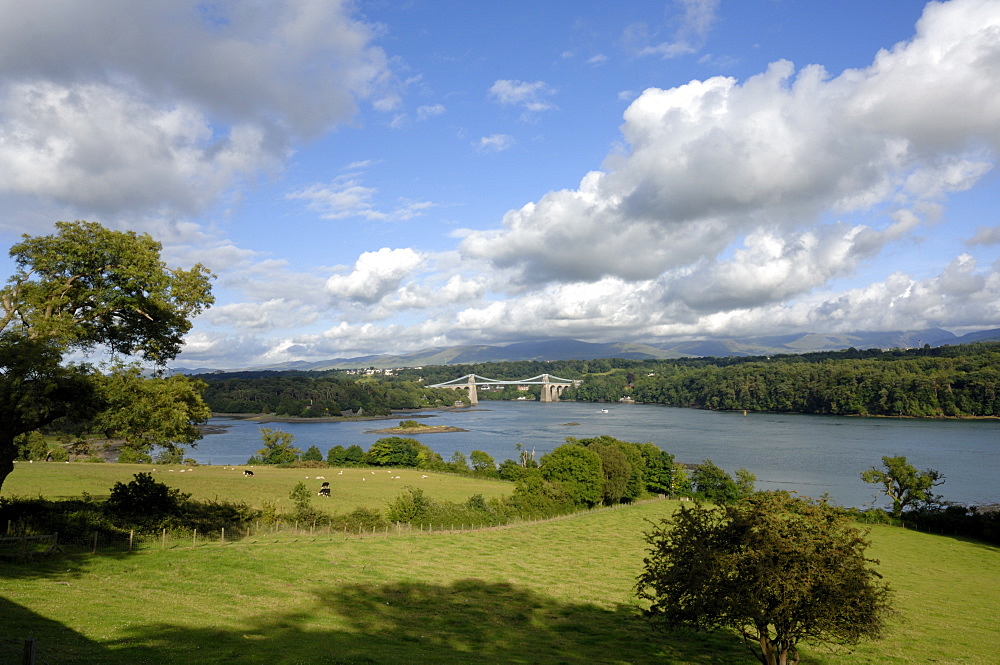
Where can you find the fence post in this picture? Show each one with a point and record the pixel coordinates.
(194, 542)
(223, 535)
(95, 543)
(30, 647)
(131, 534)
(163, 542)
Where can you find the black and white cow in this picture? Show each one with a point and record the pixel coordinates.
(247, 472)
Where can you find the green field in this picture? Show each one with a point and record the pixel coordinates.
(551, 592)
(209, 483)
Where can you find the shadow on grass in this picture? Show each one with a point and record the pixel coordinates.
(469, 621)
(55, 643)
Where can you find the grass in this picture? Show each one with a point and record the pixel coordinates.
(349, 491)
(550, 592)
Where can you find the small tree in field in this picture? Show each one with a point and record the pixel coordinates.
(776, 570)
(902, 483)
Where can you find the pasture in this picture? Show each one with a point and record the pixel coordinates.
(355, 487)
(558, 591)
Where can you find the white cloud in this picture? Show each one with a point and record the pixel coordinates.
(102, 149)
(694, 21)
(713, 162)
(532, 97)
(161, 118)
(375, 275)
(429, 111)
(986, 235)
(346, 197)
(495, 143)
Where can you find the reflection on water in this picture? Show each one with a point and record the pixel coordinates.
(807, 454)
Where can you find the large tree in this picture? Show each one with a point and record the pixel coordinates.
(901, 482)
(776, 570)
(84, 288)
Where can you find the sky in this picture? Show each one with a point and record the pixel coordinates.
(388, 176)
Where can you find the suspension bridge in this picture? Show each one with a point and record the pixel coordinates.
(552, 386)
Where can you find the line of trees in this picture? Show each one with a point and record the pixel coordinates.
(312, 395)
(960, 381)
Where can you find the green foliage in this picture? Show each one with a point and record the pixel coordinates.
(776, 570)
(483, 464)
(458, 463)
(128, 455)
(82, 288)
(31, 446)
(144, 501)
(337, 456)
(536, 497)
(659, 468)
(300, 495)
(950, 381)
(148, 412)
(410, 506)
(316, 395)
(402, 452)
(901, 482)
(579, 470)
(278, 448)
(312, 455)
(709, 482)
(409, 424)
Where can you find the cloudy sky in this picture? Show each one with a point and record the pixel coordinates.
(386, 176)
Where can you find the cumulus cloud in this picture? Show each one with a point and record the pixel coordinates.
(375, 275)
(114, 121)
(713, 162)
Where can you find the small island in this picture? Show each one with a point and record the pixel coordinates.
(413, 427)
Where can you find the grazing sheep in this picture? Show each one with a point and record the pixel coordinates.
(320, 477)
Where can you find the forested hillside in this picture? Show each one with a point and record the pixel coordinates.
(954, 381)
(316, 395)
(949, 381)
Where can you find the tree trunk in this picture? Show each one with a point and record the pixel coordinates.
(8, 451)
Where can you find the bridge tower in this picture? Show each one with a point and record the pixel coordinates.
(550, 392)
(473, 393)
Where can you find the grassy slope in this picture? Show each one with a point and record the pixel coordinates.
(551, 592)
(60, 481)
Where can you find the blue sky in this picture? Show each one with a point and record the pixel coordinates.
(380, 177)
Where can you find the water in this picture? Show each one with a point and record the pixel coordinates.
(808, 454)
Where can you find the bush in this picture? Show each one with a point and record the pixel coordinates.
(144, 501)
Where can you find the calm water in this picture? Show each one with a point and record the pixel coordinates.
(808, 454)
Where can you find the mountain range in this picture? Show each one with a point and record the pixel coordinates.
(571, 349)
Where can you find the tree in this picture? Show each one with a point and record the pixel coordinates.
(579, 471)
(79, 289)
(278, 448)
(902, 483)
(149, 411)
(144, 501)
(775, 569)
(713, 483)
(312, 455)
(482, 463)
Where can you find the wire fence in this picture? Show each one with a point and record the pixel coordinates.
(27, 545)
(23, 652)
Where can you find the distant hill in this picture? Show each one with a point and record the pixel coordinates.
(571, 349)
